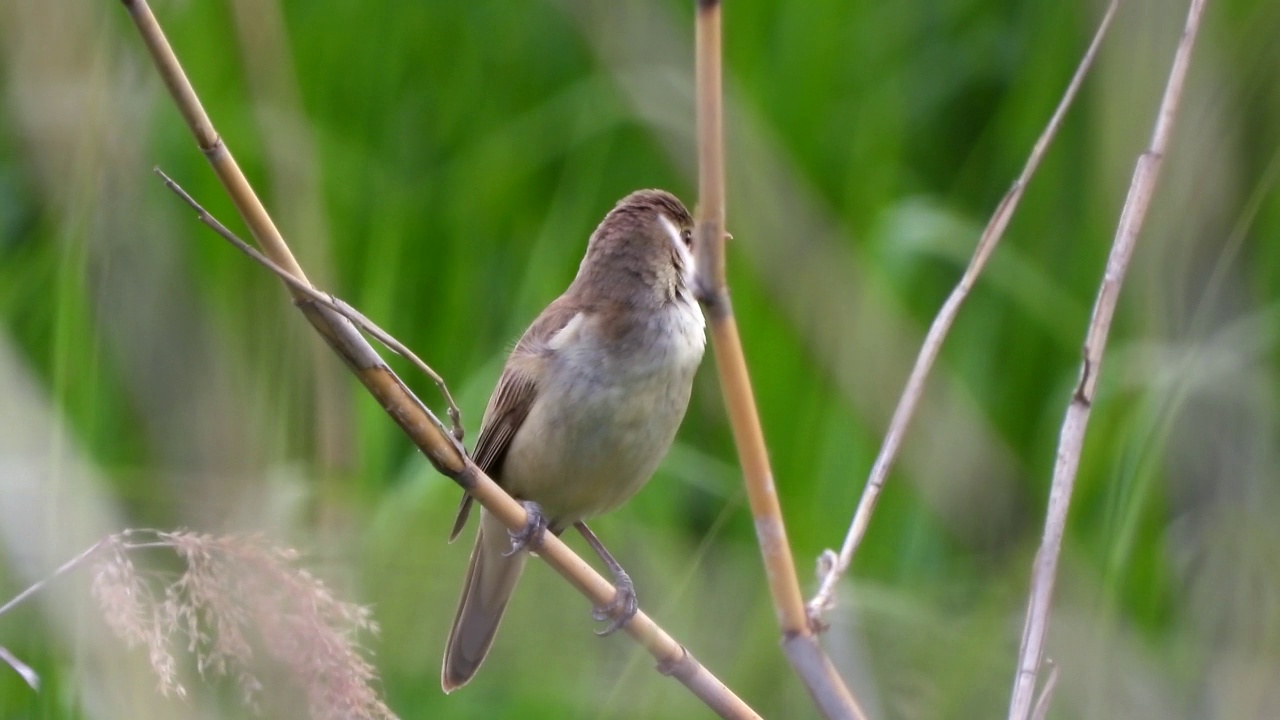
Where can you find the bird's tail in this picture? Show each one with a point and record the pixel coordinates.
(491, 578)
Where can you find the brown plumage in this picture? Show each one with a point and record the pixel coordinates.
(588, 402)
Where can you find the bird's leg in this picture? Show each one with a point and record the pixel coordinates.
(535, 528)
(624, 605)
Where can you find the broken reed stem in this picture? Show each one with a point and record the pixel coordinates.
(325, 299)
(62, 569)
(24, 671)
(1046, 693)
(224, 165)
(932, 346)
(799, 641)
(1076, 420)
(420, 424)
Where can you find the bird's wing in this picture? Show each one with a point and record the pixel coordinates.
(509, 405)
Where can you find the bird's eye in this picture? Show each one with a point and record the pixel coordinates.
(687, 236)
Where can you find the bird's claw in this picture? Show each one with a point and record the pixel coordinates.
(621, 609)
(535, 528)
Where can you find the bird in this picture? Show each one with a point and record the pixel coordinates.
(586, 407)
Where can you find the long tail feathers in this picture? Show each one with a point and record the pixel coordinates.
(491, 578)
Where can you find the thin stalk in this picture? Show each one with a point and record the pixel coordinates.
(1071, 440)
(799, 640)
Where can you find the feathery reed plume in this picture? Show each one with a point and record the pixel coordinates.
(236, 594)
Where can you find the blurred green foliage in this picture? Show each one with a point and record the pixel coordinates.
(440, 165)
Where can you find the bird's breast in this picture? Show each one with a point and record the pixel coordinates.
(605, 414)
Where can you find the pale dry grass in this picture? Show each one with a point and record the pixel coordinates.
(235, 599)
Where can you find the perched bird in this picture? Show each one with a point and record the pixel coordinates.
(586, 407)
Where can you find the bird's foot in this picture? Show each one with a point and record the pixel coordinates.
(622, 608)
(535, 528)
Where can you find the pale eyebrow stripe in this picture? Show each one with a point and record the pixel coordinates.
(678, 242)
(672, 231)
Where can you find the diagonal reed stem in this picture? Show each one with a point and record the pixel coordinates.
(932, 346)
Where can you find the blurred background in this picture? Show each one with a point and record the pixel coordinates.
(440, 165)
